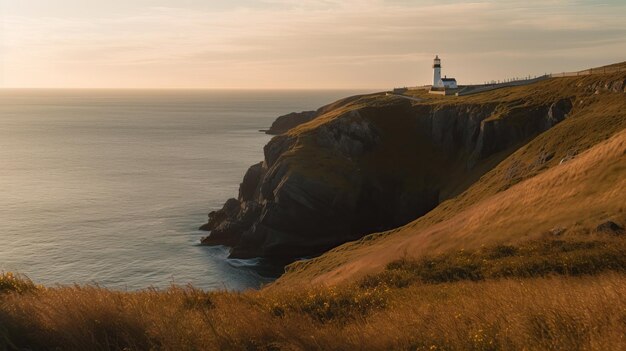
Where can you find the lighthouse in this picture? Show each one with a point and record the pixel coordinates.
(438, 82)
(437, 69)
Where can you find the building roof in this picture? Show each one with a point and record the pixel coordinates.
(448, 79)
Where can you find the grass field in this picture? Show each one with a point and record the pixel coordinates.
(550, 294)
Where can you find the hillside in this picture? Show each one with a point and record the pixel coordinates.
(567, 180)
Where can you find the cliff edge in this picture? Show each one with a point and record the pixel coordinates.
(371, 163)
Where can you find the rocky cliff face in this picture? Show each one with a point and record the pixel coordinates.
(367, 164)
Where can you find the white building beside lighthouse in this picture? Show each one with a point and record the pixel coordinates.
(438, 82)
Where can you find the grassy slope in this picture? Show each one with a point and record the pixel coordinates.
(517, 200)
(564, 294)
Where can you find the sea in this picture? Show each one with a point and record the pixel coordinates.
(108, 187)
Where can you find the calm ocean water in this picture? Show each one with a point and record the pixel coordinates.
(109, 187)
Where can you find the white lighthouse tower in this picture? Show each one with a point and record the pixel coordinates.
(439, 83)
(437, 68)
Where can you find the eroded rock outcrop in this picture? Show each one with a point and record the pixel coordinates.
(616, 85)
(350, 136)
(378, 163)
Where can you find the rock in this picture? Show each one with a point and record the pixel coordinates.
(343, 179)
(227, 233)
(558, 112)
(497, 133)
(230, 209)
(454, 127)
(610, 227)
(571, 154)
(284, 123)
(350, 136)
(215, 218)
(618, 86)
(276, 147)
(305, 217)
(557, 231)
(247, 189)
(544, 157)
(228, 224)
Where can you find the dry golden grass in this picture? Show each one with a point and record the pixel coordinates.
(431, 308)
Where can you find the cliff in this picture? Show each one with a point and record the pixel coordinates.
(289, 121)
(284, 123)
(372, 163)
(568, 181)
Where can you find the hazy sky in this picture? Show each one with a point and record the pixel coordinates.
(299, 43)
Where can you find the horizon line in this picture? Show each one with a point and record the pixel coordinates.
(168, 88)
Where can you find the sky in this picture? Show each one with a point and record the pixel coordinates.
(299, 44)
